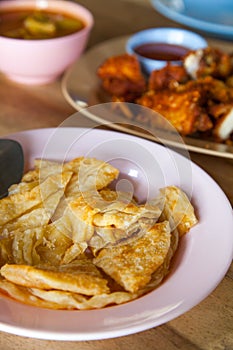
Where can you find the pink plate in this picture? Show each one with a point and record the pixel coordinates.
(195, 271)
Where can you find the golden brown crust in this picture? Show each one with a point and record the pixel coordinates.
(175, 107)
(131, 265)
(121, 76)
(168, 77)
(73, 278)
(177, 209)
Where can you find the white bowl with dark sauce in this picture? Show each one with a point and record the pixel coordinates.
(155, 47)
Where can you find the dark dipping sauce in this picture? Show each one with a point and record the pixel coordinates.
(161, 51)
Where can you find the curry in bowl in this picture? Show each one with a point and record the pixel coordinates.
(46, 37)
(34, 24)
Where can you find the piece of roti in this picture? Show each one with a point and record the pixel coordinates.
(177, 209)
(132, 265)
(88, 173)
(68, 300)
(24, 295)
(79, 277)
(61, 300)
(13, 206)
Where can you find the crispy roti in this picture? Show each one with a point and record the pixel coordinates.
(68, 241)
(68, 300)
(88, 173)
(80, 277)
(131, 265)
(100, 221)
(19, 203)
(24, 295)
(178, 209)
(60, 300)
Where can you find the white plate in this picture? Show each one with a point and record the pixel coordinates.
(210, 16)
(202, 260)
(80, 82)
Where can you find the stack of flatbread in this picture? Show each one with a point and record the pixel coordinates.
(70, 241)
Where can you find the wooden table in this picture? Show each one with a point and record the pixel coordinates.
(209, 325)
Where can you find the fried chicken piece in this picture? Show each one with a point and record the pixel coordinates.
(218, 103)
(122, 78)
(182, 109)
(211, 89)
(209, 61)
(168, 77)
(199, 105)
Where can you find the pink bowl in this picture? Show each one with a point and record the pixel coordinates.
(42, 61)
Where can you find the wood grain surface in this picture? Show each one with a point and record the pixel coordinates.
(209, 325)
